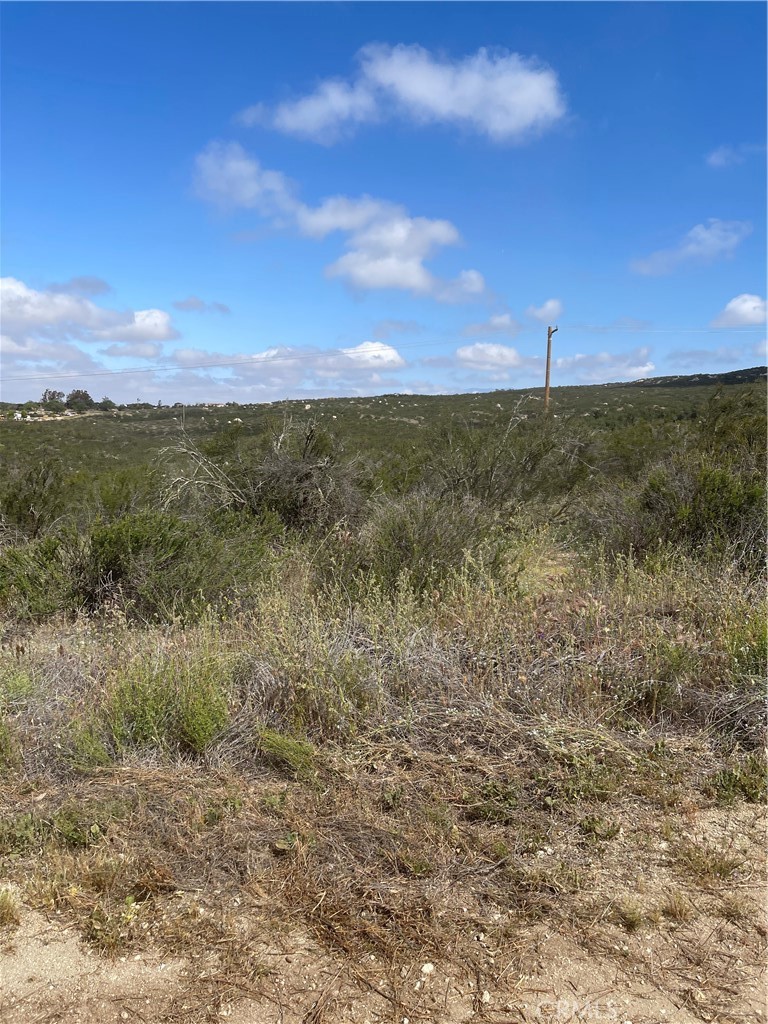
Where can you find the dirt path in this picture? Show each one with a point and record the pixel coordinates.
(47, 974)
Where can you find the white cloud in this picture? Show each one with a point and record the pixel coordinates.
(486, 355)
(730, 156)
(704, 243)
(28, 312)
(44, 332)
(502, 95)
(546, 313)
(321, 115)
(743, 311)
(607, 366)
(144, 325)
(499, 361)
(501, 324)
(386, 247)
(25, 309)
(228, 177)
(374, 355)
(27, 354)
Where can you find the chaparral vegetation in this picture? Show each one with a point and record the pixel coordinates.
(423, 695)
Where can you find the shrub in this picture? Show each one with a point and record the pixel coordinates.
(35, 496)
(293, 471)
(424, 538)
(152, 564)
(35, 578)
(686, 503)
(173, 705)
(524, 459)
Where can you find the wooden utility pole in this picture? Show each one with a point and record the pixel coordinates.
(550, 332)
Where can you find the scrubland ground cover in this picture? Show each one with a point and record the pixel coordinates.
(469, 724)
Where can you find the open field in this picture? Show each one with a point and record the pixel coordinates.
(393, 709)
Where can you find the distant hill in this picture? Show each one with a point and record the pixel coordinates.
(751, 376)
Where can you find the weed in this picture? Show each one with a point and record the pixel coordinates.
(9, 909)
(576, 777)
(735, 909)
(677, 907)
(598, 828)
(708, 864)
(295, 756)
(630, 915)
(9, 754)
(409, 863)
(87, 749)
(498, 802)
(109, 927)
(747, 780)
(16, 686)
(391, 799)
(19, 834)
(171, 705)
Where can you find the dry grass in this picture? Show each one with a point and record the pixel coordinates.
(394, 779)
(9, 908)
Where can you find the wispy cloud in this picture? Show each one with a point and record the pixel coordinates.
(731, 156)
(502, 95)
(743, 311)
(501, 324)
(601, 366)
(194, 304)
(71, 341)
(386, 328)
(503, 362)
(696, 358)
(704, 243)
(386, 247)
(85, 285)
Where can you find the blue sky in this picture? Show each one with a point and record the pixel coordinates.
(361, 198)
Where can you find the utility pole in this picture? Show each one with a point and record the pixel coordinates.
(550, 332)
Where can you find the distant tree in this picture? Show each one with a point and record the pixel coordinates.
(106, 404)
(52, 396)
(79, 400)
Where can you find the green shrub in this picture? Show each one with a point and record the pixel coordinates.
(9, 755)
(423, 538)
(297, 756)
(34, 496)
(171, 705)
(745, 780)
(687, 504)
(35, 578)
(152, 564)
(509, 461)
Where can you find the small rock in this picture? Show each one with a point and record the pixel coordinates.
(427, 968)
